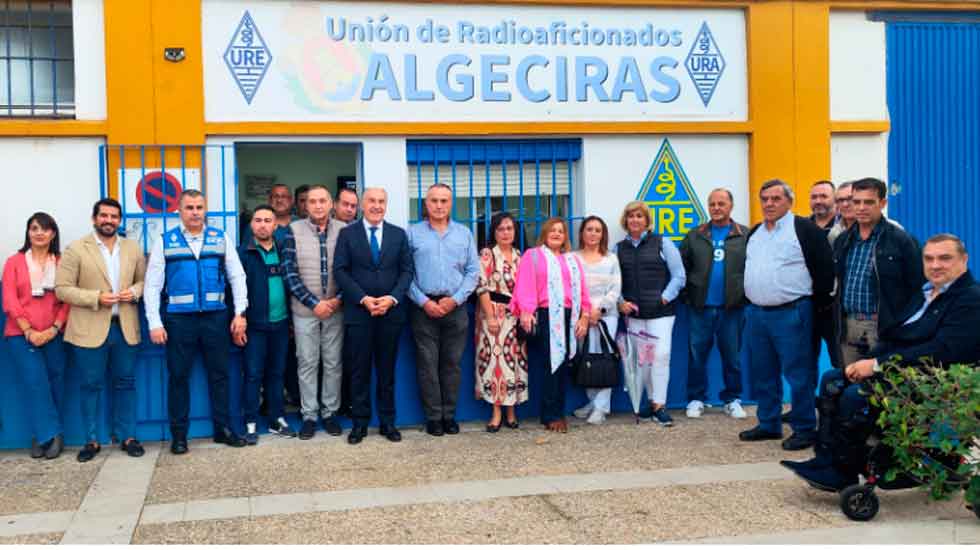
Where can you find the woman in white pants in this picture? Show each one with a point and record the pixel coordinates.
(653, 276)
(604, 282)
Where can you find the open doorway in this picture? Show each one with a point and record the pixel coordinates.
(264, 165)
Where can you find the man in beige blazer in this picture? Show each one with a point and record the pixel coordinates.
(101, 276)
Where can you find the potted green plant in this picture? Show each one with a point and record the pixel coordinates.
(930, 419)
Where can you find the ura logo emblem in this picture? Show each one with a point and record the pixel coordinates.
(248, 58)
(705, 64)
(673, 204)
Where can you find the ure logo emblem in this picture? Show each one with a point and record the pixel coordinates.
(248, 58)
(674, 206)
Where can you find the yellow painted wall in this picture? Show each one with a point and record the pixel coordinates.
(152, 101)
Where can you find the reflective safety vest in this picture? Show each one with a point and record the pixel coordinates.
(195, 284)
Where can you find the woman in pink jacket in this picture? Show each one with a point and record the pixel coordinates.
(35, 320)
(552, 301)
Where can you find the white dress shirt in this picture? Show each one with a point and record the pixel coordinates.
(112, 266)
(775, 269)
(156, 273)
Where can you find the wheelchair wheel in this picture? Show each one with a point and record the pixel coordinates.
(859, 502)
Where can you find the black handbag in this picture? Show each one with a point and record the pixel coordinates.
(598, 370)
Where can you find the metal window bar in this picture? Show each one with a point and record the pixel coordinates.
(131, 180)
(557, 157)
(26, 49)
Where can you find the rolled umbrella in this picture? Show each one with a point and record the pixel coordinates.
(632, 381)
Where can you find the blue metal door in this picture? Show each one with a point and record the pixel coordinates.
(934, 145)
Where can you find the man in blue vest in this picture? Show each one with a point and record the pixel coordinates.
(193, 263)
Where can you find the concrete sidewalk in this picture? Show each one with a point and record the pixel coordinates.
(617, 483)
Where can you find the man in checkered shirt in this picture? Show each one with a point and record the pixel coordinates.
(879, 270)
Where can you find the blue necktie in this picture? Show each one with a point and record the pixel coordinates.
(375, 247)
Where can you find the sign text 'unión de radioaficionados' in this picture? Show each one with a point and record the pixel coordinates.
(290, 61)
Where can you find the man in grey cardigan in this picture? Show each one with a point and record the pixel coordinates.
(318, 319)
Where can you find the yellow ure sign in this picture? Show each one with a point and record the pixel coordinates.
(674, 206)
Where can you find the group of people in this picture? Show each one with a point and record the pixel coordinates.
(334, 292)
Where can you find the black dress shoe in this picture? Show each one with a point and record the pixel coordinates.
(449, 426)
(55, 447)
(228, 437)
(307, 430)
(132, 447)
(758, 434)
(356, 435)
(178, 446)
(36, 450)
(798, 442)
(88, 452)
(332, 426)
(434, 427)
(390, 432)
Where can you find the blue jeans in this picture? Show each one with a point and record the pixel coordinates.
(265, 363)
(119, 357)
(779, 341)
(42, 374)
(709, 326)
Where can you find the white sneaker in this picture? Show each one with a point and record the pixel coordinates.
(695, 408)
(583, 412)
(597, 417)
(734, 409)
(250, 427)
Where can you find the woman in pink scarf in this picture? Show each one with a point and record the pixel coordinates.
(552, 300)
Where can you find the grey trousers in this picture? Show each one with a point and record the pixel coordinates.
(318, 339)
(439, 345)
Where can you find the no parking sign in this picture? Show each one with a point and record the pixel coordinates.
(149, 194)
(156, 191)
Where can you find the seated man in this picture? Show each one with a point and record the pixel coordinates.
(940, 324)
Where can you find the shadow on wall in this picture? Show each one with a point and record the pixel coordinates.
(151, 386)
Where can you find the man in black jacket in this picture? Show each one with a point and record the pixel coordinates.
(266, 339)
(938, 324)
(879, 269)
(373, 266)
(789, 272)
(714, 259)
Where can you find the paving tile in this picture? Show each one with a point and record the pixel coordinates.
(100, 530)
(162, 513)
(967, 531)
(222, 508)
(271, 505)
(26, 524)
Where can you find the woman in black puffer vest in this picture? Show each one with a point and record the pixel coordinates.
(653, 275)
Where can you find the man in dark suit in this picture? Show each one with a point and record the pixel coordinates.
(938, 324)
(373, 267)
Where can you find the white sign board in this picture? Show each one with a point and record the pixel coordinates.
(267, 60)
